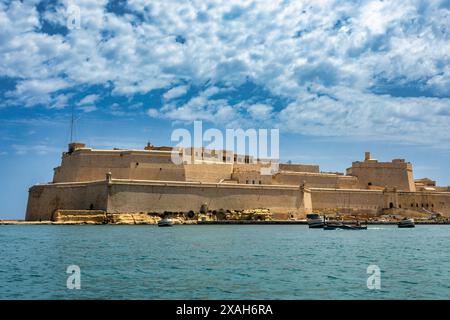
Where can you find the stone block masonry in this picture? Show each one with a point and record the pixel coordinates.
(147, 181)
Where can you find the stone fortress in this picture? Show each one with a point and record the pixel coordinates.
(148, 181)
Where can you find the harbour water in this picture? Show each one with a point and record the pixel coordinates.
(223, 262)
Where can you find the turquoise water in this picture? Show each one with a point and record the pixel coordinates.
(223, 262)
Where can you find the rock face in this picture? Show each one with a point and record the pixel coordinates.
(79, 217)
(132, 218)
(101, 217)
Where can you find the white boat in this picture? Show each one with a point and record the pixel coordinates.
(166, 222)
(314, 220)
(406, 223)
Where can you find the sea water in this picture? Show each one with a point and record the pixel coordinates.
(223, 262)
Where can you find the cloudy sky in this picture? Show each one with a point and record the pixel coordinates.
(336, 77)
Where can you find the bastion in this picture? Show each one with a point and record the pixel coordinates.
(149, 181)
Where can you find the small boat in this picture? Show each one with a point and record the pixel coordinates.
(315, 221)
(166, 222)
(406, 223)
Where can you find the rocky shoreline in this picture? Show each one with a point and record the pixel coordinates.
(214, 222)
(208, 217)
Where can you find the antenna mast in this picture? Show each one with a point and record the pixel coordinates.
(72, 120)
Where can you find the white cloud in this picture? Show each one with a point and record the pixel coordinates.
(260, 111)
(323, 58)
(89, 99)
(175, 92)
(153, 113)
(37, 91)
(87, 108)
(34, 149)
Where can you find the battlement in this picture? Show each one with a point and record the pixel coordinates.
(373, 173)
(81, 164)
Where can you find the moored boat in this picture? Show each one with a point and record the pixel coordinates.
(165, 222)
(406, 223)
(315, 221)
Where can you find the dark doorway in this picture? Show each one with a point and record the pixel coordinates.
(391, 205)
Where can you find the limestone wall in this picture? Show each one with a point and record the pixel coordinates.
(430, 201)
(44, 200)
(210, 172)
(317, 180)
(127, 196)
(374, 201)
(360, 201)
(87, 165)
(397, 173)
(299, 167)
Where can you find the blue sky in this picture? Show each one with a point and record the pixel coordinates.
(336, 77)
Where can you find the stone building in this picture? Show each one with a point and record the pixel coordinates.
(149, 180)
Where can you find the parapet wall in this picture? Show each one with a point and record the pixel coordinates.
(299, 167)
(126, 196)
(315, 180)
(358, 201)
(375, 201)
(44, 200)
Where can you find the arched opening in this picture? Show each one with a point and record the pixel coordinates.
(391, 205)
(91, 207)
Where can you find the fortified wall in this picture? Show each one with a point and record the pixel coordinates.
(371, 173)
(128, 196)
(148, 180)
